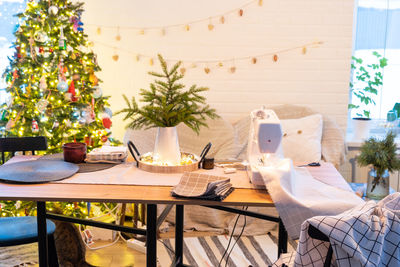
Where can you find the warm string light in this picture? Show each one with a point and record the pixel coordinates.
(230, 63)
(186, 26)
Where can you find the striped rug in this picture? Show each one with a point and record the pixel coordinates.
(207, 251)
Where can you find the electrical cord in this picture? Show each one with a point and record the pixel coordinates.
(238, 237)
(231, 236)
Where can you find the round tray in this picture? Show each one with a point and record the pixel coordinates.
(169, 169)
(37, 171)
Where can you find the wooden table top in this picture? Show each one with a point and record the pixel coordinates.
(141, 194)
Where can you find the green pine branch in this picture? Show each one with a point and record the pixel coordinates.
(167, 103)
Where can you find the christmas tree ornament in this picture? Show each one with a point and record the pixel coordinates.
(108, 111)
(42, 83)
(275, 58)
(4, 114)
(9, 101)
(71, 90)
(240, 12)
(67, 123)
(222, 19)
(76, 76)
(51, 50)
(210, 26)
(115, 57)
(35, 126)
(93, 79)
(62, 86)
(10, 124)
(73, 56)
(260, 2)
(62, 41)
(40, 36)
(68, 96)
(82, 121)
(254, 60)
(56, 124)
(187, 27)
(41, 105)
(104, 138)
(89, 141)
(106, 120)
(97, 93)
(41, 50)
(53, 10)
(207, 70)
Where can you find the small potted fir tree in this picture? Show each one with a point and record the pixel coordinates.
(166, 104)
(381, 156)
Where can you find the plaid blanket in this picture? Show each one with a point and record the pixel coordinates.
(367, 235)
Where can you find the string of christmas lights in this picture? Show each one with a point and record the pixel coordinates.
(212, 21)
(253, 59)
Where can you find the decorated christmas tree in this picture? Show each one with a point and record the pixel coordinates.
(51, 80)
(53, 89)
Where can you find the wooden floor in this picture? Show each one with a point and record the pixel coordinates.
(120, 255)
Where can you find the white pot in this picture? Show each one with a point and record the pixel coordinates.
(166, 147)
(361, 127)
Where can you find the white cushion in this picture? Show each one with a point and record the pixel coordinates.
(302, 138)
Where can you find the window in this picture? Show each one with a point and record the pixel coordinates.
(378, 29)
(8, 24)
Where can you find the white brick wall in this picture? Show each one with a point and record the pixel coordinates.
(318, 79)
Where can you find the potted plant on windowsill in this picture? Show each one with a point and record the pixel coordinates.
(166, 104)
(364, 87)
(381, 156)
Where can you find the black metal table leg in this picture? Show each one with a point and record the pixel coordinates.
(42, 233)
(282, 239)
(151, 236)
(179, 235)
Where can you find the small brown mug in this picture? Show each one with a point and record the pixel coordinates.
(74, 152)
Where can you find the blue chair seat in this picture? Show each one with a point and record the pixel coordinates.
(21, 230)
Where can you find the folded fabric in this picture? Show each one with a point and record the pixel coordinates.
(367, 235)
(202, 186)
(298, 196)
(110, 154)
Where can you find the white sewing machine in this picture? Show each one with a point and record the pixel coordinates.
(264, 146)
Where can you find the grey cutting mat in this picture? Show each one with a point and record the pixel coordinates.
(83, 167)
(37, 171)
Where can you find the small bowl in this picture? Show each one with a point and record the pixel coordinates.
(74, 152)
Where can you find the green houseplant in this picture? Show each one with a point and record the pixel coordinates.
(381, 156)
(367, 78)
(166, 104)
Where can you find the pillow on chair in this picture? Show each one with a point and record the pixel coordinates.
(302, 138)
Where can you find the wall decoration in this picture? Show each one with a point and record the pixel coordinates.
(210, 22)
(207, 65)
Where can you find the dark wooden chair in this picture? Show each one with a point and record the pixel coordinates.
(23, 230)
(23, 144)
(317, 234)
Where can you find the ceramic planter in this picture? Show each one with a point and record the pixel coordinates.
(361, 127)
(166, 147)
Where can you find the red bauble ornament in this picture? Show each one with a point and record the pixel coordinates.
(104, 138)
(41, 50)
(51, 50)
(18, 55)
(107, 123)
